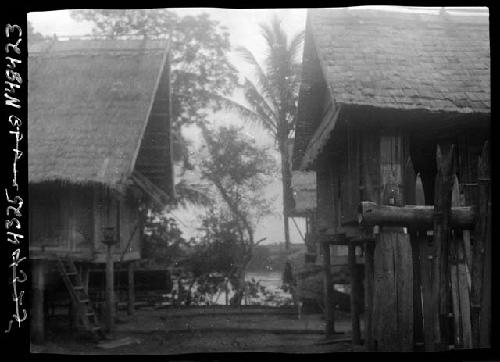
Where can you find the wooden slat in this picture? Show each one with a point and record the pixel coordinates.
(385, 298)
(393, 286)
(354, 297)
(455, 298)
(461, 278)
(369, 275)
(455, 293)
(328, 295)
(428, 305)
(369, 192)
(464, 298)
(485, 198)
(419, 191)
(478, 246)
(442, 208)
(410, 197)
(404, 284)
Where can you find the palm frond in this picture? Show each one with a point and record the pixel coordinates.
(295, 44)
(232, 105)
(267, 34)
(264, 82)
(259, 103)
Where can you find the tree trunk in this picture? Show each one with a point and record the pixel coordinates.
(286, 186)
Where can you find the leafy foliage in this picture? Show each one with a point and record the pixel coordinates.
(273, 98)
(193, 194)
(239, 169)
(199, 64)
(163, 244)
(218, 250)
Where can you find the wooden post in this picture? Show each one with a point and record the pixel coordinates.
(411, 191)
(109, 297)
(356, 333)
(464, 298)
(484, 233)
(369, 250)
(328, 287)
(38, 317)
(455, 293)
(131, 289)
(369, 175)
(442, 209)
(423, 239)
(478, 246)
(459, 282)
(411, 197)
(428, 311)
(393, 272)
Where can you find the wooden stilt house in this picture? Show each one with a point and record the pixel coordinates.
(99, 156)
(394, 117)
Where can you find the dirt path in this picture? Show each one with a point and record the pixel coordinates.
(200, 330)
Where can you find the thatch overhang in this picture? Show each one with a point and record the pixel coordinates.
(358, 60)
(99, 113)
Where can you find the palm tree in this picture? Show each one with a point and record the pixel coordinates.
(272, 99)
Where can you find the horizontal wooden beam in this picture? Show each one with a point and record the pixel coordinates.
(344, 235)
(412, 215)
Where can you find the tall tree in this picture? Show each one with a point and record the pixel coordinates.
(272, 99)
(239, 170)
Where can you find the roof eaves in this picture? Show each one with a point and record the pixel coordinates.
(319, 138)
(324, 69)
(150, 107)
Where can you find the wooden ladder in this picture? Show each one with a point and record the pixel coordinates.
(79, 296)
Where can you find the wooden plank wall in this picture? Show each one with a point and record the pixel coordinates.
(325, 212)
(454, 301)
(61, 217)
(393, 279)
(369, 179)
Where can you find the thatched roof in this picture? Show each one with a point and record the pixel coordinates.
(409, 61)
(90, 102)
(394, 61)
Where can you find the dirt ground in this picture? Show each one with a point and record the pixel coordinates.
(205, 330)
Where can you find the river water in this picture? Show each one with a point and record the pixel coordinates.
(268, 279)
(272, 294)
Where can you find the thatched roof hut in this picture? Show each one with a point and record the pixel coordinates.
(98, 111)
(395, 104)
(373, 59)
